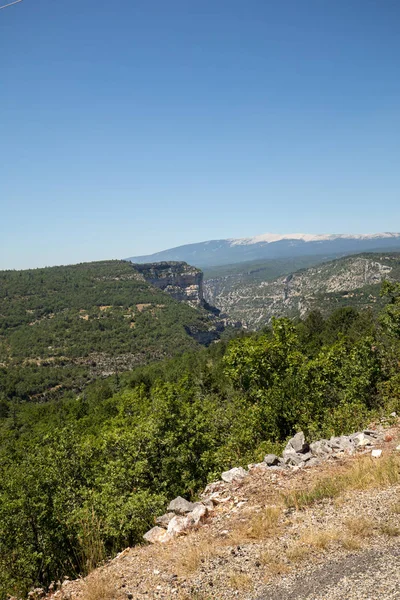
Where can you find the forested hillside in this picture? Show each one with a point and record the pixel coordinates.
(83, 477)
(62, 326)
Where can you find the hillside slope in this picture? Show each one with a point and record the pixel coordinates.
(349, 281)
(61, 326)
(337, 542)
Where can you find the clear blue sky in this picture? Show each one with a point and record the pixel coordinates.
(131, 126)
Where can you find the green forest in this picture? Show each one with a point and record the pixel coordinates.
(83, 475)
(61, 327)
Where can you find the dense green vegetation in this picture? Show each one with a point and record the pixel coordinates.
(62, 326)
(82, 477)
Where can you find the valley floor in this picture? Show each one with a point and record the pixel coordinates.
(276, 536)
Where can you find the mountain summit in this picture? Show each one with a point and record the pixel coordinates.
(271, 245)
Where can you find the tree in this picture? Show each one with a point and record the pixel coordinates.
(390, 316)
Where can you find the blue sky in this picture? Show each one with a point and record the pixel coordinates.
(131, 126)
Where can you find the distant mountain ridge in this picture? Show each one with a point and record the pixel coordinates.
(271, 246)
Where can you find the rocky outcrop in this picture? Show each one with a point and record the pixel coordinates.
(298, 453)
(185, 283)
(180, 280)
(183, 515)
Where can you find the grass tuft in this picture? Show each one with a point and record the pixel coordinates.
(297, 552)
(364, 473)
(389, 530)
(240, 581)
(320, 539)
(360, 527)
(190, 557)
(99, 587)
(350, 542)
(260, 526)
(272, 564)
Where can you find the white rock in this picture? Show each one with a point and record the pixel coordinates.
(393, 414)
(362, 440)
(271, 459)
(157, 535)
(398, 448)
(180, 505)
(376, 453)
(197, 515)
(261, 465)
(296, 444)
(235, 474)
(165, 519)
(178, 525)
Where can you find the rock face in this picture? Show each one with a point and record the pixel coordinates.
(185, 283)
(182, 281)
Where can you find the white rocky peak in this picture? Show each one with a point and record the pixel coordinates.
(308, 237)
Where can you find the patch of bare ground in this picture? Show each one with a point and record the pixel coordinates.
(276, 528)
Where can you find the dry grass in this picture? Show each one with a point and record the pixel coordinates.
(359, 527)
(92, 551)
(195, 595)
(320, 539)
(363, 473)
(260, 526)
(272, 564)
(99, 587)
(396, 508)
(188, 557)
(350, 542)
(297, 552)
(389, 530)
(240, 581)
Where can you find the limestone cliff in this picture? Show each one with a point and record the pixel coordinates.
(185, 283)
(182, 281)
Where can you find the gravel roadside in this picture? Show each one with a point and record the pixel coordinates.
(368, 575)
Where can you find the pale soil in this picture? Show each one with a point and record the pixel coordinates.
(347, 548)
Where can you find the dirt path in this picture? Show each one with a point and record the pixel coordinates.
(368, 575)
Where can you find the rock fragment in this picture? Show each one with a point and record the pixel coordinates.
(376, 453)
(164, 520)
(157, 535)
(235, 474)
(178, 525)
(180, 506)
(271, 459)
